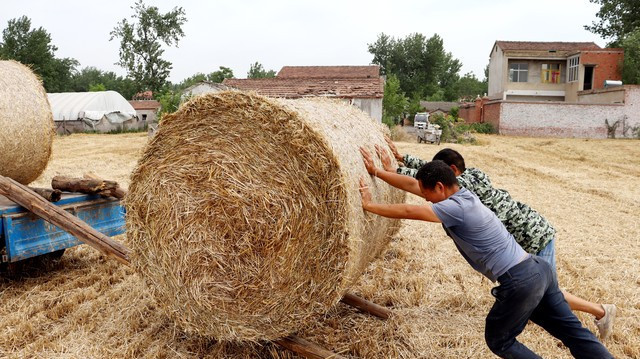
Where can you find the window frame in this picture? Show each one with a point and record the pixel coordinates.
(547, 74)
(573, 66)
(519, 71)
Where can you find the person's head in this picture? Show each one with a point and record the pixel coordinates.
(452, 158)
(437, 181)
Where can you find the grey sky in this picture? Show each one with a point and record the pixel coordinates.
(287, 32)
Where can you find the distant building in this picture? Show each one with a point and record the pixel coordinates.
(202, 88)
(338, 72)
(147, 110)
(438, 107)
(550, 71)
(101, 111)
(361, 86)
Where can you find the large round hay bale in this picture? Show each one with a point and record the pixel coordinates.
(26, 123)
(244, 213)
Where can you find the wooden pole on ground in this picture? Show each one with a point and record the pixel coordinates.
(51, 213)
(306, 348)
(366, 306)
(85, 185)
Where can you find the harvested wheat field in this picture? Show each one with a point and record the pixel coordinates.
(84, 306)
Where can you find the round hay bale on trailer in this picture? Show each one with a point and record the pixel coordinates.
(244, 213)
(26, 123)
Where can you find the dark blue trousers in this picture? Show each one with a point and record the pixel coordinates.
(529, 291)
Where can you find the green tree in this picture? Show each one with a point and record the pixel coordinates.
(256, 71)
(631, 68)
(469, 87)
(191, 80)
(414, 106)
(422, 65)
(220, 75)
(97, 88)
(90, 76)
(215, 76)
(33, 47)
(616, 19)
(170, 100)
(141, 42)
(394, 102)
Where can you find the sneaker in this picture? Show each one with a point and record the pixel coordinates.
(605, 324)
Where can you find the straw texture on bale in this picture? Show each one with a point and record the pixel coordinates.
(245, 217)
(26, 123)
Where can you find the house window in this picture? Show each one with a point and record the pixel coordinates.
(551, 73)
(518, 72)
(144, 117)
(574, 62)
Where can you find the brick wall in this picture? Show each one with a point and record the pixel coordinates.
(559, 119)
(571, 120)
(472, 113)
(608, 65)
(492, 114)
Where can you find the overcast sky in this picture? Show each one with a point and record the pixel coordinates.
(304, 33)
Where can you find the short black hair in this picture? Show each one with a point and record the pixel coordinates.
(450, 157)
(434, 172)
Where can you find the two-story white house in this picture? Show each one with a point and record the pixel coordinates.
(550, 71)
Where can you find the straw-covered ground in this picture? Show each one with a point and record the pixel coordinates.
(84, 306)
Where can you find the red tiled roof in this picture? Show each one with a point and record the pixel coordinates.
(546, 46)
(145, 104)
(309, 87)
(335, 72)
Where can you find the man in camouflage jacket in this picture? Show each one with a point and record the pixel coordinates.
(532, 231)
(529, 228)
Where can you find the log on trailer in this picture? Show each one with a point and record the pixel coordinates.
(86, 185)
(119, 192)
(51, 195)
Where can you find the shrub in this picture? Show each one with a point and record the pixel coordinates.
(457, 131)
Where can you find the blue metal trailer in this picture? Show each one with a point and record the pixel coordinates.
(24, 235)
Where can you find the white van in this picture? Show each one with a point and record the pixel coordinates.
(421, 120)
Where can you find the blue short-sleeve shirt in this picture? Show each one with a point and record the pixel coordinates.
(478, 234)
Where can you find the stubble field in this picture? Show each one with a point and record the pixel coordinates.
(84, 306)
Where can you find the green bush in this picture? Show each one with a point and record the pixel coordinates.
(482, 128)
(457, 131)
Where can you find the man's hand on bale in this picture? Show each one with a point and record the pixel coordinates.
(393, 148)
(368, 161)
(385, 158)
(364, 193)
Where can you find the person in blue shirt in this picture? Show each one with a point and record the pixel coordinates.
(528, 288)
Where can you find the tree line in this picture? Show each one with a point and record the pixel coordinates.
(416, 67)
(142, 37)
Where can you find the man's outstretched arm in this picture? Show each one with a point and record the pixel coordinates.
(411, 164)
(405, 183)
(398, 211)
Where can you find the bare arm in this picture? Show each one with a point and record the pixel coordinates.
(398, 211)
(402, 182)
(405, 183)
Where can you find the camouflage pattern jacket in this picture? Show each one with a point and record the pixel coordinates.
(532, 231)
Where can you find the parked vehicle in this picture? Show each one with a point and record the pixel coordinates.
(421, 120)
(430, 134)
